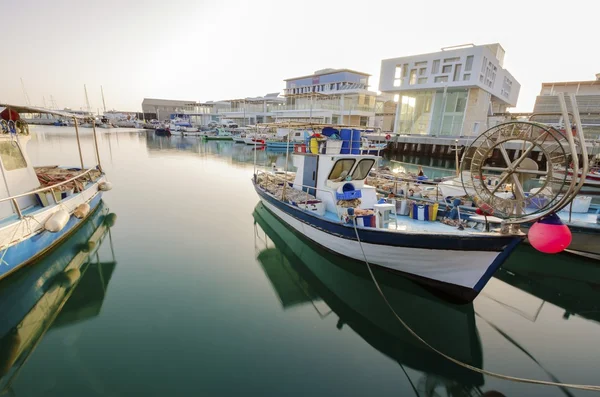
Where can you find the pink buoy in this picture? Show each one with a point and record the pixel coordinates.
(549, 235)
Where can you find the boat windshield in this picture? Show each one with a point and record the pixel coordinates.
(341, 169)
(362, 169)
(11, 155)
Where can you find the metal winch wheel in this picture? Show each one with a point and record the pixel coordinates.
(512, 169)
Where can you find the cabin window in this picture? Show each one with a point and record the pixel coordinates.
(11, 155)
(362, 169)
(341, 169)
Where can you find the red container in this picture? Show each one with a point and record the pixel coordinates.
(300, 148)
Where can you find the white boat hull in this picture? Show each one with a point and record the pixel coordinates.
(463, 268)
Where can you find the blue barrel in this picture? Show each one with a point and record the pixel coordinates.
(346, 136)
(355, 143)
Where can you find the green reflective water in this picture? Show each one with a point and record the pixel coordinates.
(208, 294)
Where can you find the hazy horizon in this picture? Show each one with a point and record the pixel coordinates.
(208, 51)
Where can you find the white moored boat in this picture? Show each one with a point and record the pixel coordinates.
(329, 203)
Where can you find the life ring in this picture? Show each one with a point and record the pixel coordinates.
(388, 137)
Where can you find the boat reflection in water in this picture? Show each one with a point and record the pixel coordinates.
(301, 272)
(567, 281)
(67, 286)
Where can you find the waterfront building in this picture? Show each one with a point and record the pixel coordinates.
(336, 96)
(249, 111)
(587, 94)
(458, 91)
(161, 109)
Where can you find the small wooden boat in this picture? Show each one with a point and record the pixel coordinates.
(45, 204)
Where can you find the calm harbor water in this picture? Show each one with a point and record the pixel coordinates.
(196, 290)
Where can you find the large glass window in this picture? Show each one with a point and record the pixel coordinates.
(362, 169)
(447, 69)
(448, 113)
(435, 68)
(414, 113)
(11, 155)
(341, 169)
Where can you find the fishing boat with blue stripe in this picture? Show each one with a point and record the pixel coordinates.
(328, 201)
(41, 206)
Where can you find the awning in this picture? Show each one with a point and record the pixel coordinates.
(33, 109)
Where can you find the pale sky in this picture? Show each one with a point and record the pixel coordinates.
(214, 50)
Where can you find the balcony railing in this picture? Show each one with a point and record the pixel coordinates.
(348, 108)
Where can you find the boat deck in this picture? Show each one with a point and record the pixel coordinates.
(49, 176)
(409, 225)
(580, 219)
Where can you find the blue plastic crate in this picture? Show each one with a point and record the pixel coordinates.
(348, 195)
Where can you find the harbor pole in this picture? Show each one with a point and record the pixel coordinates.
(78, 142)
(96, 145)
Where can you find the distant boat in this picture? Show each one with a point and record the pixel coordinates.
(60, 123)
(220, 135)
(162, 131)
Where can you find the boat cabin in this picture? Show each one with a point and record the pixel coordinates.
(17, 171)
(335, 177)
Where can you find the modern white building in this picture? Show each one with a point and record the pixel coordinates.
(587, 94)
(336, 96)
(248, 111)
(458, 91)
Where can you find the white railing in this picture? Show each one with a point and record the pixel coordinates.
(286, 184)
(51, 188)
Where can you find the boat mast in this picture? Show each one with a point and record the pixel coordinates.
(103, 103)
(27, 101)
(87, 101)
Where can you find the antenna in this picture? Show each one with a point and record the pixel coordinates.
(52, 103)
(87, 101)
(103, 103)
(27, 101)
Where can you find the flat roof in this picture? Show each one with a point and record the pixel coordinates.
(326, 72)
(444, 50)
(588, 82)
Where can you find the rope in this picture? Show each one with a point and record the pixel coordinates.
(455, 361)
(9, 241)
